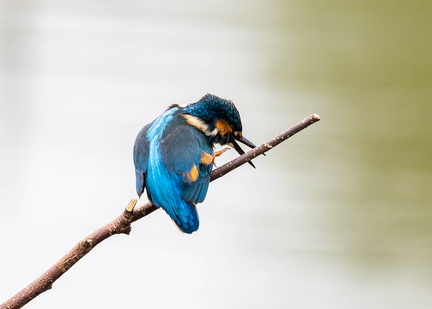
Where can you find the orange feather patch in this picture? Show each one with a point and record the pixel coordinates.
(206, 158)
(192, 176)
(223, 127)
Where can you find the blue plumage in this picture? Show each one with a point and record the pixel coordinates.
(173, 155)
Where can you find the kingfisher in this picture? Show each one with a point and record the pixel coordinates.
(174, 155)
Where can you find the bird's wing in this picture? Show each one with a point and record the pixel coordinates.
(195, 192)
(140, 155)
(186, 152)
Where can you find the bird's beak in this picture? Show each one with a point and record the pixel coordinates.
(245, 141)
(237, 147)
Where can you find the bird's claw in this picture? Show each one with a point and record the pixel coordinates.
(218, 153)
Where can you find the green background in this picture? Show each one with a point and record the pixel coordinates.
(339, 216)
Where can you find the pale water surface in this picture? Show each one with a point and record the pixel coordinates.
(338, 217)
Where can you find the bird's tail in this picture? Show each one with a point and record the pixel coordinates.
(186, 217)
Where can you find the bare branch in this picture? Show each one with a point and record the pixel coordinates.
(122, 224)
(264, 147)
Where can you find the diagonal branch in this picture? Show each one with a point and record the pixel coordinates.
(122, 224)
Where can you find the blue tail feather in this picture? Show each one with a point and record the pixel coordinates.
(186, 217)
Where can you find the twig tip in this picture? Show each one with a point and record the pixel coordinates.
(130, 207)
(316, 117)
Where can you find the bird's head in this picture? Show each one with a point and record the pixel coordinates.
(219, 119)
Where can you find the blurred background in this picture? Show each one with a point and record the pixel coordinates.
(339, 216)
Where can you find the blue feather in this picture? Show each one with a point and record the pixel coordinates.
(161, 160)
(173, 155)
(140, 159)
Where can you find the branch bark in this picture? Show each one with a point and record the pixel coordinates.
(122, 224)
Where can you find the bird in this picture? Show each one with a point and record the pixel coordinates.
(174, 155)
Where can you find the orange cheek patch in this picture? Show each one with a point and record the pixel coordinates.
(223, 127)
(192, 176)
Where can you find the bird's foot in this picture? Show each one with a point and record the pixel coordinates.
(218, 153)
